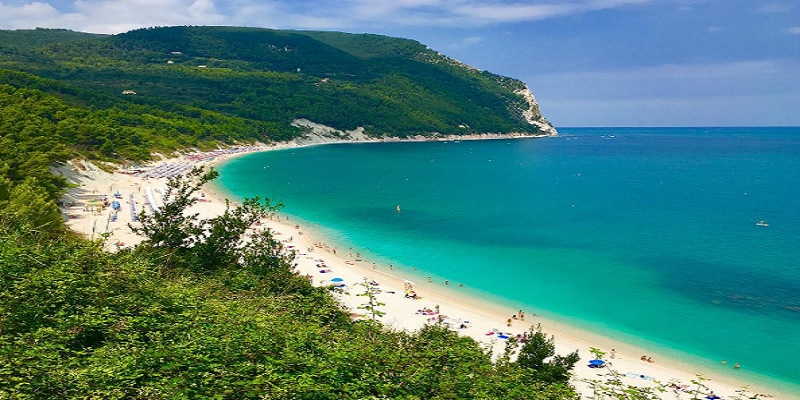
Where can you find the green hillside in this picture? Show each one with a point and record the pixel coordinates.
(196, 311)
(264, 79)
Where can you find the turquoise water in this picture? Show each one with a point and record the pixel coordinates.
(646, 234)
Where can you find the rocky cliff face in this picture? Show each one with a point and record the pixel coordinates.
(533, 116)
(527, 110)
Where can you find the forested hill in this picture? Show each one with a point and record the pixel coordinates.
(199, 310)
(201, 84)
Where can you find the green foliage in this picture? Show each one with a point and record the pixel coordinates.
(28, 206)
(597, 353)
(77, 322)
(265, 79)
(27, 38)
(699, 386)
(538, 353)
(205, 245)
(213, 308)
(372, 305)
(611, 385)
(60, 92)
(746, 392)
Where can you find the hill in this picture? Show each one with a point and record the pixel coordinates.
(265, 79)
(197, 311)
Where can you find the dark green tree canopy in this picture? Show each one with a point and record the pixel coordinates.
(260, 80)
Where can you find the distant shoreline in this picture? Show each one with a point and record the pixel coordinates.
(401, 313)
(566, 334)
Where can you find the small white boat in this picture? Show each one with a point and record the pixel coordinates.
(762, 223)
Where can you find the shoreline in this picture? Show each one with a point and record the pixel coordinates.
(483, 314)
(491, 314)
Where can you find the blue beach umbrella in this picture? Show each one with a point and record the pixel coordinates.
(337, 279)
(596, 363)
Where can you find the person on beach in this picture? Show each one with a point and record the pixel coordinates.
(521, 315)
(613, 353)
(508, 323)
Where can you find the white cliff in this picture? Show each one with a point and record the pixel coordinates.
(533, 116)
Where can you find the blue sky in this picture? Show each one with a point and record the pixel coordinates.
(589, 62)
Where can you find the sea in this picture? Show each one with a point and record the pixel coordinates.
(683, 240)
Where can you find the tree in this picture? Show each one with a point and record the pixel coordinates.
(79, 322)
(171, 226)
(538, 354)
(210, 244)
(220, 241)
(700, 386)
(613, 387)
(29, 206)
(597, 353)
(372, 304)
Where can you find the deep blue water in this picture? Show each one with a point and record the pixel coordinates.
(646, 234)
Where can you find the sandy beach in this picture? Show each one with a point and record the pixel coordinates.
(484, 321)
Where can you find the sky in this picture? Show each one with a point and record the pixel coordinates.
(589, 62)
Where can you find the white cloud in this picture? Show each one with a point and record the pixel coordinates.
(112, 16)
(21, 16)
(108, 16)
(795, 30)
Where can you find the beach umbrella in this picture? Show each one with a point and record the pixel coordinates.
(596, 363)
(337, 279)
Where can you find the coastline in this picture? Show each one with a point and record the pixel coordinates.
(484, 314)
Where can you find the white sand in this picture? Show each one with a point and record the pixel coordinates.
(400, 312)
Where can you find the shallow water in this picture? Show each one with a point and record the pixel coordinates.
(647, 234)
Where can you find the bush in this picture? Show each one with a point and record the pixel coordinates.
(78, 322)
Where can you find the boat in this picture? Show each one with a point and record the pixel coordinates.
(397, 208)
(762, 223)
